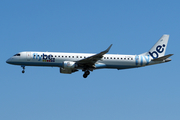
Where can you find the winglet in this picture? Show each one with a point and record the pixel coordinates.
(107, 50)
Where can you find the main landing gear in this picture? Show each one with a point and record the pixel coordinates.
(23, 71)
(86, 73)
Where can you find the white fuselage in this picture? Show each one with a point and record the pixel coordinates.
(56, 59)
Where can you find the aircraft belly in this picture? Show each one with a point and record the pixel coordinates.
(55, 64)
(119, 64)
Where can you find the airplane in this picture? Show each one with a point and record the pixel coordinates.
(73, 62)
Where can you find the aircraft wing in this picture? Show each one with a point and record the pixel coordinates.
(90, 61)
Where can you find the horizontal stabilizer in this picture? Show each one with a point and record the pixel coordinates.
(163, 57)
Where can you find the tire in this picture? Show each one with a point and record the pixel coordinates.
(85, 75)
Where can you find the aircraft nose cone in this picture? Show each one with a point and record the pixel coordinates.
(8, 61)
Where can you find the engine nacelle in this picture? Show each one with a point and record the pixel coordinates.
(69, 65)
(66, 71)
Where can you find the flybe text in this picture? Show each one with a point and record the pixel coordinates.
(159, 49)
(142, 60)
(43, 57)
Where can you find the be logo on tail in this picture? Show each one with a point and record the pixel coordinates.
(159, 49)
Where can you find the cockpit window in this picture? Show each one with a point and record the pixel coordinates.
(17, 54)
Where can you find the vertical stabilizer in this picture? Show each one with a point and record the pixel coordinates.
(159, 49)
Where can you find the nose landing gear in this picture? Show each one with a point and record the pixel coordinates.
(23, 71)
(86, 73)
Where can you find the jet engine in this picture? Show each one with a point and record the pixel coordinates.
(68, 67)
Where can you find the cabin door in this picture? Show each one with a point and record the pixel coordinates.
(28, 56)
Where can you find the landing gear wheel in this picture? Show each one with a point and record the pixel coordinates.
(85, 76)
(86, 73)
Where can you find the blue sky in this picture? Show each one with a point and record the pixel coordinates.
(133, 27)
